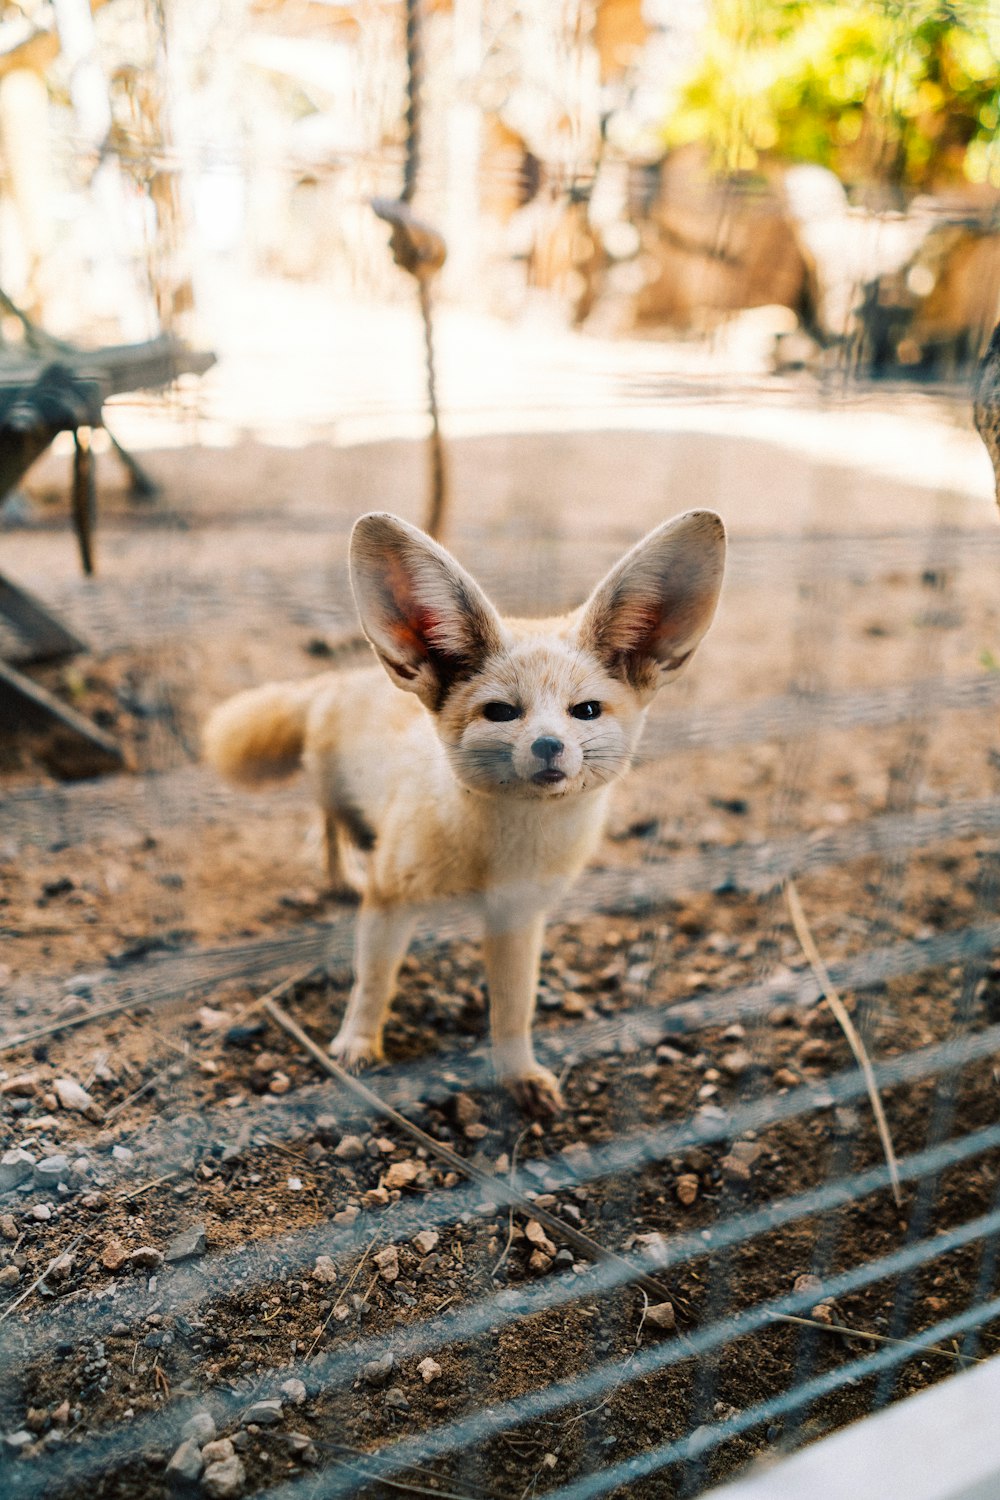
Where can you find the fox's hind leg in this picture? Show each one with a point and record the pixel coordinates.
(341, 857)
(383, 936)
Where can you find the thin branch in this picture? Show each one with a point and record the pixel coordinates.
(878, 1338)
(839, 1010)
(39, 1279)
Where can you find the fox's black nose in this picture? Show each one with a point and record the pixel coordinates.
(547, 747)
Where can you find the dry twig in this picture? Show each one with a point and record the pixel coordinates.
(839, 1010)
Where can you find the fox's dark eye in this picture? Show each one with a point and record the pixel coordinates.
(588, 710)
(500, 713)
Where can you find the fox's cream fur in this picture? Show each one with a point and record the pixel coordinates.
(487, 778)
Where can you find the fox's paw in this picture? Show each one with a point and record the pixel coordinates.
(536, 1093)
(354, 1053)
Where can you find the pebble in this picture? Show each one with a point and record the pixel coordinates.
(401, 1174)
(9, 1277)
(114, 1255)
(211, 1020)
(661, 1316)
(539, 1263)
(467, 1111)
(17, 1442)
(42, 1212)
(146, 1258)
(536, 1236)
(686, 1188)
(784, 1078)
(185, 1465)
(429, 1370)
(280, 1084)
(349, 1148)
(187, 1245)
(264, 1412)
(72, 1095)
(426, 1241)
(199, 1428)
(324, 1270)
(736, 1062)
(218, 1450)
(122, 1154)
(15, 1167)
(396, 1400)
(22, 1086)
(8, 1226)
(60, 1268)
(378, 1372)
(295, 1184)
(52, 1170)
(387, 1261)
(295, 1390)
(346, 1215)
(224, 1479)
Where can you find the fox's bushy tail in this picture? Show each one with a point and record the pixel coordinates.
(258, 736)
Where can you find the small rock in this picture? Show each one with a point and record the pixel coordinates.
(211, 1020)
(21, 1086)
(784, 1078)
(187, 1245)
(686, 1188)
(9, 1277)
(429, 1370)
(401, 1174)
(42, 1212)
(734, 1169)
(807, 1282)
(146, 1258)
(295, 1184)
(301, 1445)
(279, 1084)
(218, 1450)
(265, 1412)
(61, 1414)
(426, 1241)
(114, 1255)
(349, 1148)
(15, 1167)
(346, 1215)
(72, 1095)
(122, 1154)
(814, 1053)
(295, 1390)
(378, 1372)
(661, 1316)
(199, 1428)
(186, 1464)
(376, 1197)
(736, 1062)
(225, 1479)
(324, 1270)
(52, 1170)
(8, 1226)
(395, 1399)
(18, 1442)
(467, 1111)
(539, 1263)
(60, 1268)
(387, 1261)
(535, 1235)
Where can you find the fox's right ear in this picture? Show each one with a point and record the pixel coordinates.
(431, 625)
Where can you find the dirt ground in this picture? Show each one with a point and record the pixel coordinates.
(844, 585)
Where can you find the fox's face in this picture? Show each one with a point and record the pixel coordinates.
(543, 708)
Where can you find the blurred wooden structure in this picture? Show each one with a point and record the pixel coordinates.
(47, 387)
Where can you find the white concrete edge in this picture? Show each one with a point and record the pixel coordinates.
(943, 1444)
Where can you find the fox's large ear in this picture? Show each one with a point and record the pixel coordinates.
(430, 624)
(644, 620)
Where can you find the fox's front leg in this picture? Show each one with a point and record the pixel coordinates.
(382, 937)
(512, 954)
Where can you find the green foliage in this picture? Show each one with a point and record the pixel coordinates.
(899, 91)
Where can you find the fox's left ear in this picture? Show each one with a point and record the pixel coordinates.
(644, 620)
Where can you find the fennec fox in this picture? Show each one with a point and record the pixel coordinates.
(486, 779)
